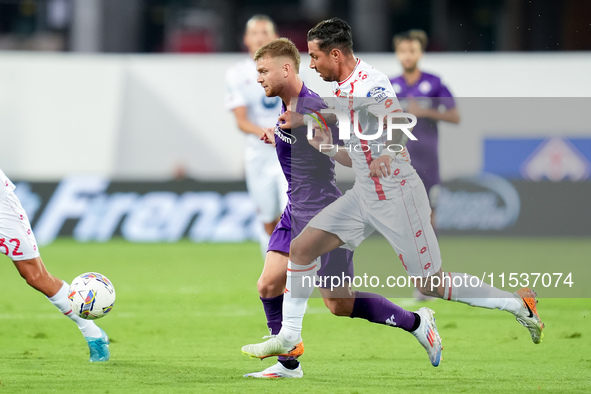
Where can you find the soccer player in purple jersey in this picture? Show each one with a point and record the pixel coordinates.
(387, 197)
(311, 178)
(425, 96)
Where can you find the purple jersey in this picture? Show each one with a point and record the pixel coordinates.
(428, 92)
(311, 186)
(310, 174)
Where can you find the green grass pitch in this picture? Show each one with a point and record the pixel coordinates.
(183, 311)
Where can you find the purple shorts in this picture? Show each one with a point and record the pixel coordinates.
(429, 175)
(337, 262)
(425, 158)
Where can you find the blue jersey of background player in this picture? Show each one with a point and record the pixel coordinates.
(425, 96)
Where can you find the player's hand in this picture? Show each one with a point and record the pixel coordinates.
(380, 167)
(268, 136)
(321, 137)
(291, 120)
(415, 109)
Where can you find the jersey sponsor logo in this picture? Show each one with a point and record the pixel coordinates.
(285, 136)
(378, 93)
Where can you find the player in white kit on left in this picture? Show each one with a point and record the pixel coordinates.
(17, 241)
(253, 111)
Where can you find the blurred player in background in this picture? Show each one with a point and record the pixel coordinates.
(425, 96)
(253, 111)
(17, 241)
(312, 187)
(388, 197)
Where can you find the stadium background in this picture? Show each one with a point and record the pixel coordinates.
(112, 125)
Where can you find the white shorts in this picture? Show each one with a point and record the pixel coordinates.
(405, 221)
(266, 184)
(17, 240)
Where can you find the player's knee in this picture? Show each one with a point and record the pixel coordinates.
(269, 289)
(339, 306)
(301, 251)
(296, 248)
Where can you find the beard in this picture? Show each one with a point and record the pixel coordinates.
(328, 77)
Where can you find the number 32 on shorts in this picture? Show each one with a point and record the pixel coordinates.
(4, 247)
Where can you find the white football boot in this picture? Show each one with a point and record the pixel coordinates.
(428, 336)
(277, 371)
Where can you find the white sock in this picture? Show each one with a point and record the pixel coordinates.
(299, 287)
(60, 301)
(470, 290)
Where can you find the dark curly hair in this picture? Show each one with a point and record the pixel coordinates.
(332, 33)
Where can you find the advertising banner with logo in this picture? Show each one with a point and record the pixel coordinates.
(492, 205)
(90, 208)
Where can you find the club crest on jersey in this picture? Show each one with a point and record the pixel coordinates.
(425, 87)
(362, 75)
(285, 136)
(378, 93)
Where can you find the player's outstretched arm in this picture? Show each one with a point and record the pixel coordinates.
(291, 120)
(244, 124)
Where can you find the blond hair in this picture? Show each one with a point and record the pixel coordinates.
(281, 47)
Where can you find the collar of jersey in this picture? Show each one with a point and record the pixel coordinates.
(352, 72)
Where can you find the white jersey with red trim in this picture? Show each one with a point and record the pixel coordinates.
(6, 186)
(242, 90)
(368, 93)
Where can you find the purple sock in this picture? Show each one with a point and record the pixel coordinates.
(377, 309)
(274, 312)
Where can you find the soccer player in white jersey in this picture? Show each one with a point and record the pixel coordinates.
(17, 241)
(253, 111)
(312, 186)
(388, 197)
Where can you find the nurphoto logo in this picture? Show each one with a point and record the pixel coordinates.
(345, 124)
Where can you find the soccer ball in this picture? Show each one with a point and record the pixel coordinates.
(91, 295)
